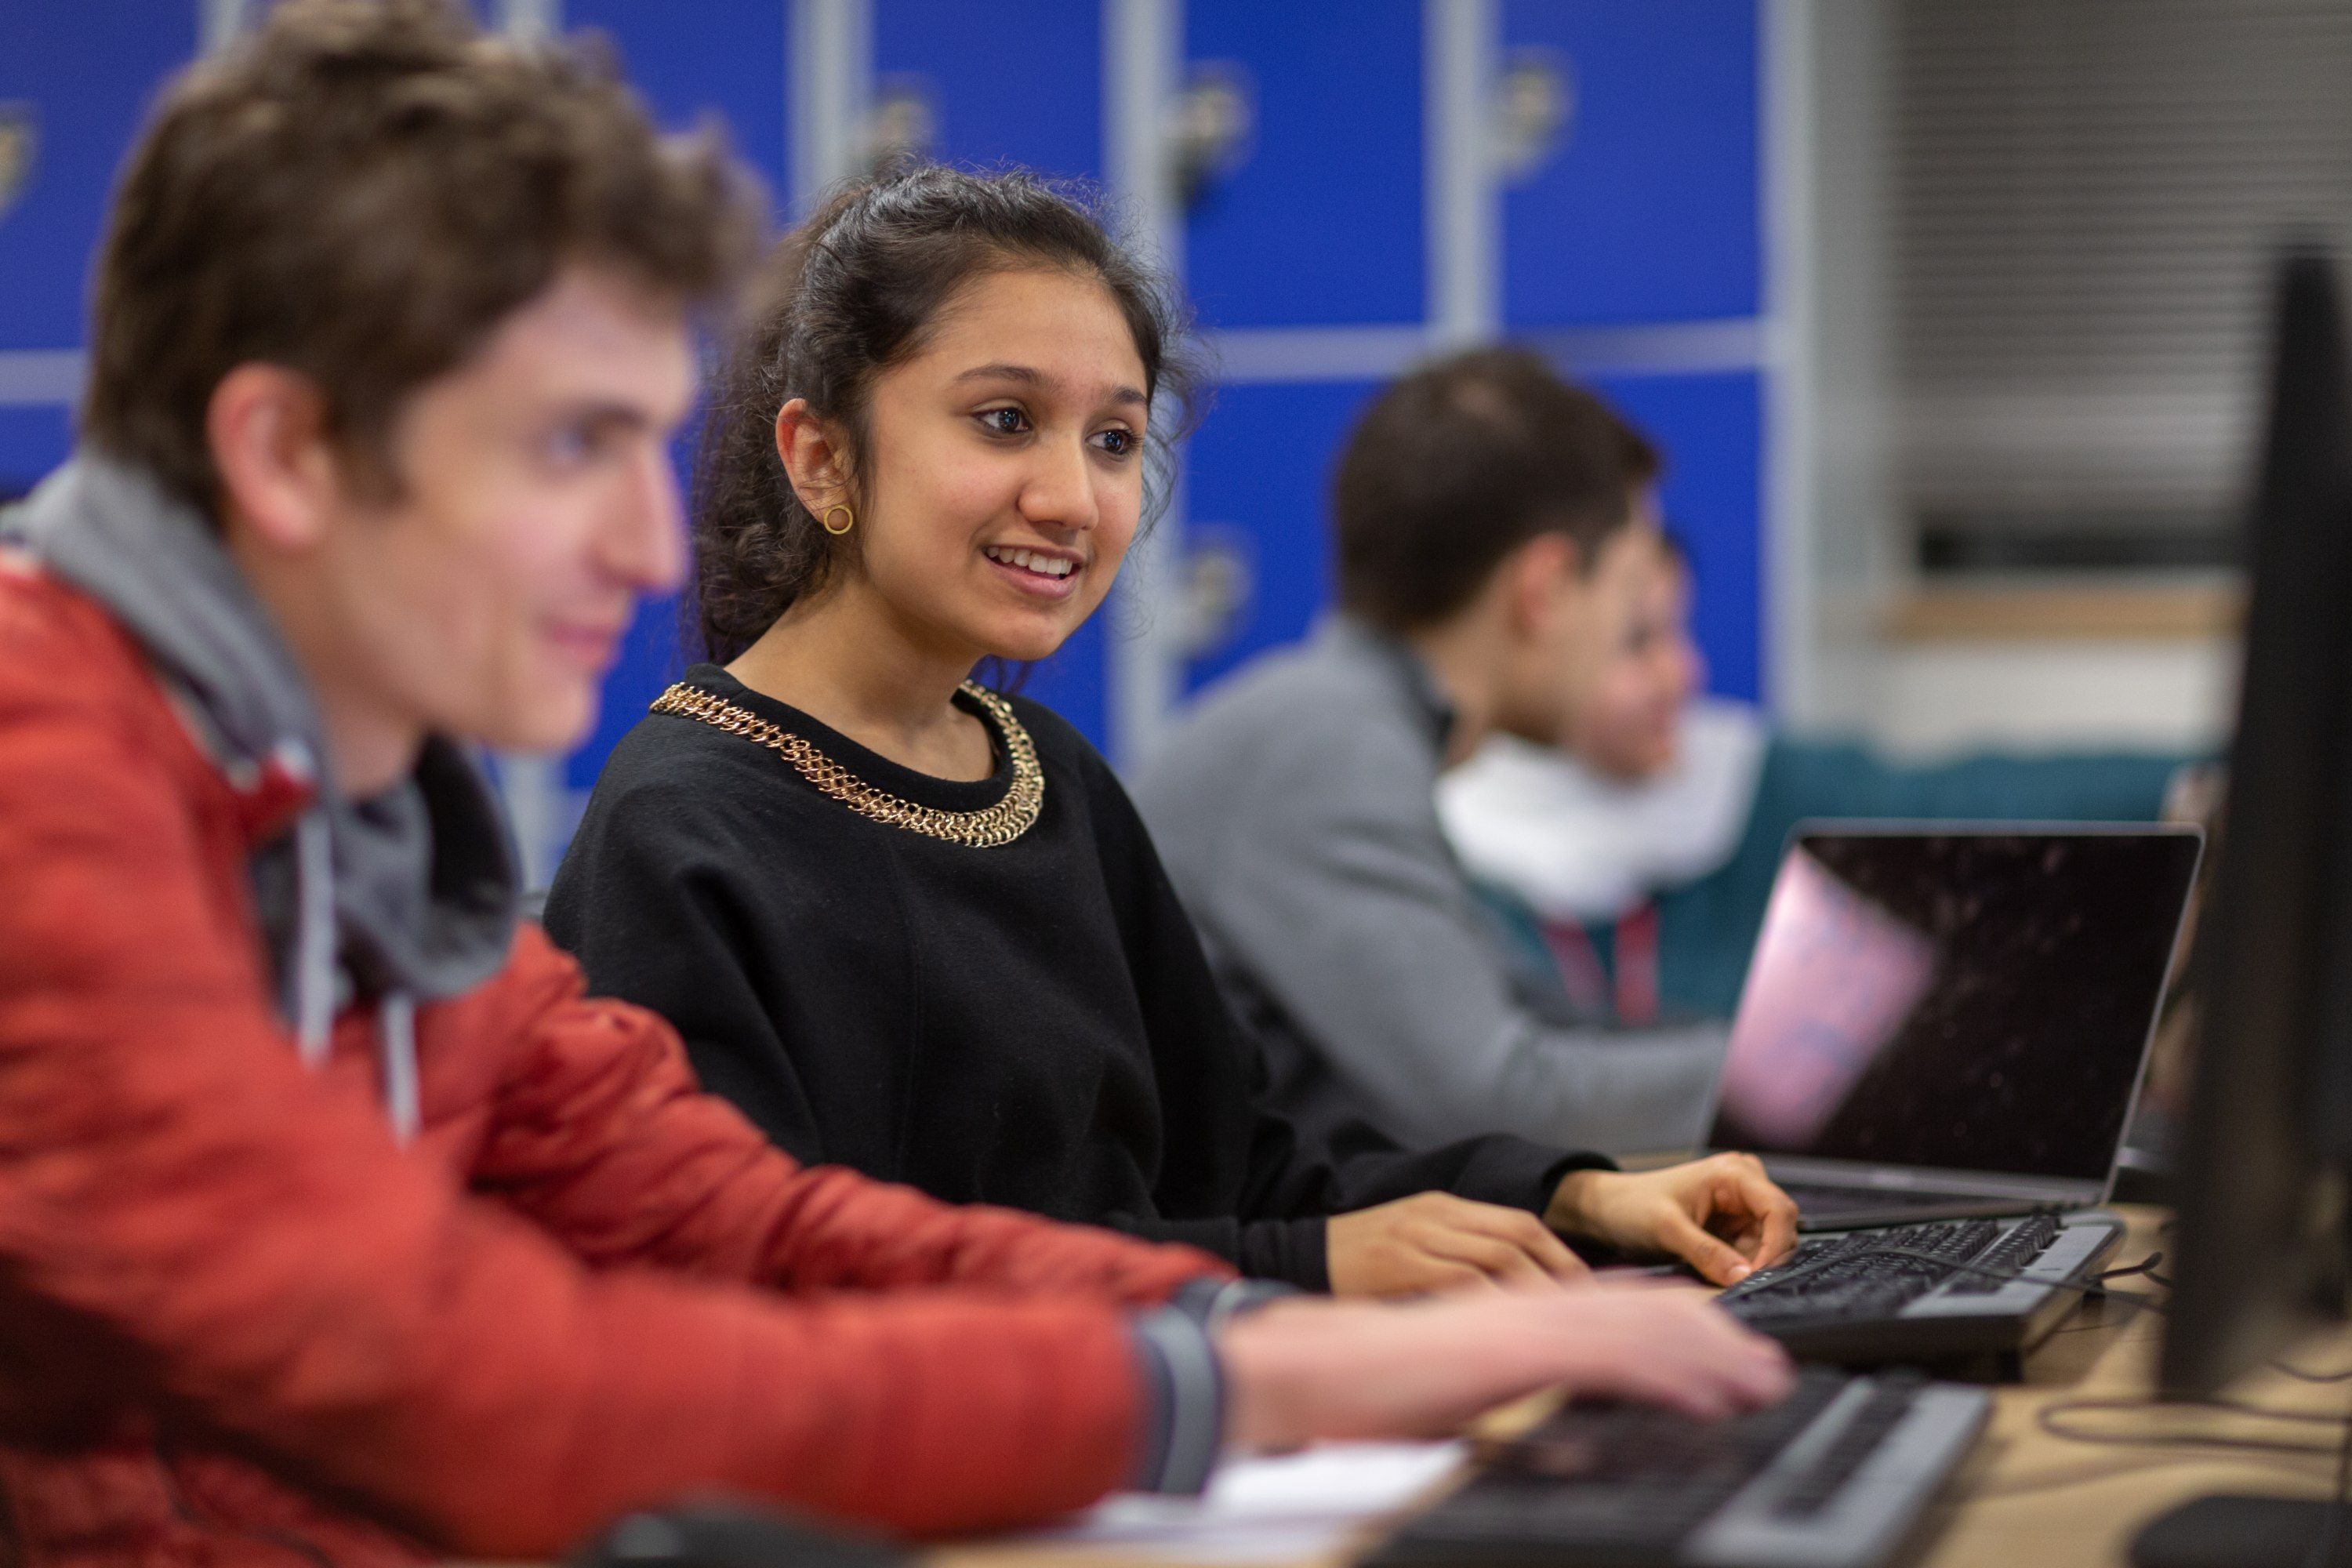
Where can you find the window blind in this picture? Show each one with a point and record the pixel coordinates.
(2085, 196)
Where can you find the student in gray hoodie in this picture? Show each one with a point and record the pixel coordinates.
(1493, 524)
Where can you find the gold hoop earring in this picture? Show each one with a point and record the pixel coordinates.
(825, 522)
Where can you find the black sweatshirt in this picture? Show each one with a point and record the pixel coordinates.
(1031, 1024)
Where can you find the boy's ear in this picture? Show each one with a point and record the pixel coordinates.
(812, 456)
(1539, 572)
(280, 474)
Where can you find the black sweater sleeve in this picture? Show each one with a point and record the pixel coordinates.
(1213, 1084)
(654, 901)
(1290, 1250)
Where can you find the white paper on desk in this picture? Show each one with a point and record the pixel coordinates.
(1263, 1509)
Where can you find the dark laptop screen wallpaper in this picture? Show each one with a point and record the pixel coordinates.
(1970, 1001)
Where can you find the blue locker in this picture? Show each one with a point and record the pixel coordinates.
(1260, 484)
(80, 76)
(1649, 210)
(719, 58)
(1008, 84)
(34, 438)
(1019, 85)
(1710, 428)
(1322, 225)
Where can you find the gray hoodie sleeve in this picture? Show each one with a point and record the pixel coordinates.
(1329, 884)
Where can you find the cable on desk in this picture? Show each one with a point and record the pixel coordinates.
(2145, 1266)
(2220, 1401)
(2334, 1537)
(2049, 1419)
(2138, 1465)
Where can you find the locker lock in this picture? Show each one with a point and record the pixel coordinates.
(1218, 579)
(1208, 127)
(1535, 98)
(902, 123)
(18, 138)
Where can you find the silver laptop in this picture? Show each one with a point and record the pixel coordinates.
(1952, 1019)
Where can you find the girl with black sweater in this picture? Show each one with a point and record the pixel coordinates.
(914, 926)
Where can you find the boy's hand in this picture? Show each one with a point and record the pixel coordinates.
(1721, 1214)
(1307, 1369)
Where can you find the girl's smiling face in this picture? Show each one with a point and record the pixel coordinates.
(1004, 467)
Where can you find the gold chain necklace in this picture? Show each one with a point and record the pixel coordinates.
(1003, 823)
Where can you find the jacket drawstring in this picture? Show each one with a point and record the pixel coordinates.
(313, 978)
(314, 937)
(397, 1019)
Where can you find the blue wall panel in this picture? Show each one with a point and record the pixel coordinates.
(1322, 225)
(33, 440)
(1710, 428)
(1649, 212)
(86, 72)
(1007, 84)
(1022, 85)
(715, 57)
(1260, 478)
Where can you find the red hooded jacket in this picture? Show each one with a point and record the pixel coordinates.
(239, 1324)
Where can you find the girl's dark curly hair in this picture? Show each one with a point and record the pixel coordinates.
(849, 293)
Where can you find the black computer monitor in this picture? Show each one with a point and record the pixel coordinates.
(2266, 1143)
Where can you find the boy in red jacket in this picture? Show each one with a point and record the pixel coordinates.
(334, 1221)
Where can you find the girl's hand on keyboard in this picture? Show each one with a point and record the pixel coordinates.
(1436, 1241)
(1721, 1214)
(1302, 1370)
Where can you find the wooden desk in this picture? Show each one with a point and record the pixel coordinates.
(2027, 1497)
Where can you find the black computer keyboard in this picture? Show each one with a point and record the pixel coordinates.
(1926, 1292)
(1834, 1477)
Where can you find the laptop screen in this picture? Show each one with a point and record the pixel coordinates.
(1972, 1000)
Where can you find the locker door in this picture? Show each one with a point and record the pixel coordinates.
(1648, 211)
(1322, 225)
(1013, 85)
(1308, 261)
(76, 80)
(1261, 479)
(75, 84)
(1635, 250)
(1710, 427)
(1004, 84)
(34, 438)
(721, 59)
